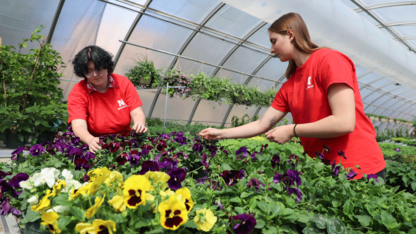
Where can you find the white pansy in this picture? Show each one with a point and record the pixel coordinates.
(71, 184)
(47, 175)
(27, 184)
(33, 200)
(59, 209)
(67, 175)
(85, 183)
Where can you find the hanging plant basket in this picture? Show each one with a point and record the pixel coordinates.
(390, 120)
(371, 118)
(145, 82)
(384, 120)
(376, 118)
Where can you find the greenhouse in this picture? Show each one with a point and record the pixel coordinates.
(193, 116)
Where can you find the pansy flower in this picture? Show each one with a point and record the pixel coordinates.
(254, 183)
(98, 226)
(245, 225)
(351, 174)
(173, 213)
(242, 152)
(341, 153)
(146, 149)
(181, 154)
(161, 145)
(17, 151)
(19, 177)
(253, 155)
(50, 219)
(149, 166)
(93, 209)
(37, 150)
(117, 202)
(43, 204)
(297, 192)
(135, 188)
(327, 148)
(168, 163)
(177, 175)
(204, 161)
(231, 177)
(134, 157)
(205, 219)
(275, 160)
(335, 169)
(122, 158)
(372, 176)
(197, 147)
(113, 147)
(185, 195)
(319, 155)
(263, 147)
(156, 177)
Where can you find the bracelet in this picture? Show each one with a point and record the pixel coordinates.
(294, 130)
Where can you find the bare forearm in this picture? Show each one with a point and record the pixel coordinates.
(139, 118)
(83, 134)
(245, 131)
(328, 127)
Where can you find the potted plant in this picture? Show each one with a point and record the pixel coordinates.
(376, 118)
(390, 120)
(208, 87)
(371, 117)
(30, 81)
(144, 74)
(383, 119)
(240, 95)
(176, 78)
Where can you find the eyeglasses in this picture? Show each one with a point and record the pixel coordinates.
(99, 72)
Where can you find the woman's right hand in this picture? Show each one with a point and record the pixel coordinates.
(210, 134)
(93, 144)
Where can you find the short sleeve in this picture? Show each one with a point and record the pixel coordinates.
(336, 68)
(77, 105)
(132, 97)
(280, 101)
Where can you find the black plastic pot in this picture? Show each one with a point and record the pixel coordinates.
(12, 141)
(45, 137)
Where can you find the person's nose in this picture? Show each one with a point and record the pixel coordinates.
(272, 50)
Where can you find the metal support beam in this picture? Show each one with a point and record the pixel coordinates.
(55, 21)
(383, 5)
(369, 84)
(132, 27)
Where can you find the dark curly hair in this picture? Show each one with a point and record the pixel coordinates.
(100, 57)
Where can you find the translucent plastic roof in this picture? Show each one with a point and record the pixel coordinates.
(208, 31)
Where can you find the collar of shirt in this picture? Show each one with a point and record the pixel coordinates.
(91, 88)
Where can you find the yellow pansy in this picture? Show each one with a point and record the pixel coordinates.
(173, 213)
(157, 177)
(50, 219)
(117, 202)
(60, 184)
(97, 226)
(44, 203)
(93, 209)
(205, 219)
(135, 189)
(186, 197)
(97, 179)
(166, 194)
(81, 191)
(115, 177)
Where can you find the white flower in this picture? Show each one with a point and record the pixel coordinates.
(46, 175)
(85, 183)
(59, 209)
(33, 200)
(27, 184)
(67, 175)
(71, 184)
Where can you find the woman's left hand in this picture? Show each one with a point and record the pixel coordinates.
(280, 134)
(139, 128)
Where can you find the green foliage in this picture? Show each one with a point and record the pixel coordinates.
(208, 87)
(144, 73)
(398, 153)
(405, 140)
(402, 175)
(31, 98)
(235, 121)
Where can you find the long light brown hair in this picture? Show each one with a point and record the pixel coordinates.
(302, 40)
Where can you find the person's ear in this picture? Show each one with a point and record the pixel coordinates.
(290, 35)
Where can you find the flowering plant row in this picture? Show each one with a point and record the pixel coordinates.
(250, 186)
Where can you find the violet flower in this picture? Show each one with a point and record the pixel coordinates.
(134, 157)
(122, 159)
(80, 163)
(398, 150)
(204, 161)
(372, 176)
(197, 147)
(113, 147)
(242, 152)
(149, 166)
(167, 163)
(19, 177)
(263, 147)
(177, 175)
(232, 177)
(218, 203)
(297, 192)
(335, 169)
(254, 183)
(351, 174)
(275, 160)
(37, 150)
(182, 155)
(248, 222)
(253, 155)
(341, 153)
(89, 155)
(161, 145)
(327, 148)
(18, 150)
(5, 207)
(294, 175)
(319, 155)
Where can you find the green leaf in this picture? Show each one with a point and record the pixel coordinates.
(32, 216)
(260, 224)
(235, 199)
(191, 224)
(226, 167)
(270, 230)
(27, 129)
(44, 123)
(77, 212)
(37, 122)
(348, 208)
(336, 226)
(158, 230)
(313, 229)
(63, 222)
(388, 220)
(62, 200)
(263, 206)
(239, 210)
(253, 203)
(319, 220)
(413, 185)
(245, 194)
(21, 137)
(364, 220)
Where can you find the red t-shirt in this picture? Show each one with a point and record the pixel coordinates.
(305, 95)
(105, 113)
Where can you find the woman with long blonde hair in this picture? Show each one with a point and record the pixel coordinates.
(323, 96)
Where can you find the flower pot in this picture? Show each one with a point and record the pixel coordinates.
(383, 120)
(390, 121)
(371, 118)
(396, 122)
(145, 82)
(376, 118)
(12, 141)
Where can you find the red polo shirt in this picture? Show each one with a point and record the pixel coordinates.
(305, 95)
(105, 113)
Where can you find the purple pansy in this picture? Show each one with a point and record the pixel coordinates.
(319, 155)
(242, 152)
(218, 203)
(372, 176)
(246, 224)
(18, 150)
(181, 154)
(253, 155)
(168, 163)
(335, 169)
(149, 166)
(122, 159)
(231, 177)
(113, 147)
(254, 183)
(161, 145)
(275, 160)
(327, 148)
(37, 150)
(351, 174)
(341, 153)
(5, 207)
(14, 182)
(398, 150)
(294, 175)
(177, 175)
(197, 147)
(204, 161)
(134, 157)
(297, 192)
(263, 147)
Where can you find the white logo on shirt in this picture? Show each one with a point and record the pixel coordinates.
(309, 84)
(121, 104)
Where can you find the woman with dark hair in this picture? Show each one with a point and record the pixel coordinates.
(104, 102)
(323, 96)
